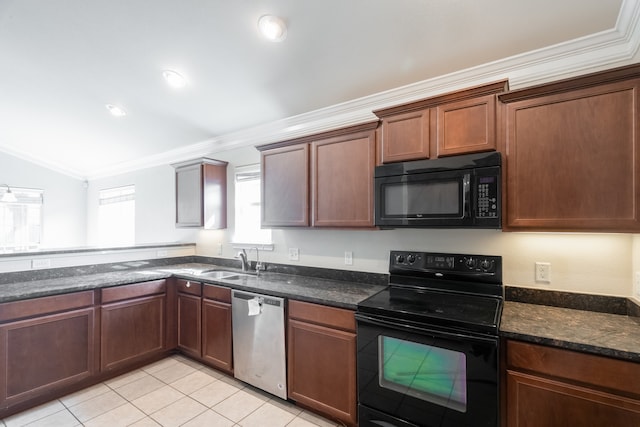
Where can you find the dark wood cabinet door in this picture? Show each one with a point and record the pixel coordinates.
(132, 330)
(189, 196)
(189, 324)
(45, 353)
(467, 126)
(322, 369)
(201, 194)
(406, 136)
(535, 401)
(217, 334)
(573, 160)
(549, 386)
(285, 186)
(342, 177)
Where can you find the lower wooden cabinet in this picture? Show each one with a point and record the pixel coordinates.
(48, 350)
(132, 323)
(548, 386)
(217, 334)
(189, 317)
(322, 359)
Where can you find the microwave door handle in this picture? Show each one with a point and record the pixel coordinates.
(466, 196)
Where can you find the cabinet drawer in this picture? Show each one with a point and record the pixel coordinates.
(136, 290)
(322, 315)
(598, 371)
(189, 287)
(217, 293)
(45, 305)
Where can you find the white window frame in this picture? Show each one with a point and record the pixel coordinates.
(27, 234)
(247, 212)
(122, 234)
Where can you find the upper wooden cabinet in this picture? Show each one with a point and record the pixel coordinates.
(342, 177)
(406, 136)
(456, 123)
(572, 154)
(201, 194)
(285, 186)
(322, 180)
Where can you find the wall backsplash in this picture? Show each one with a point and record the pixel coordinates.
(586, 263)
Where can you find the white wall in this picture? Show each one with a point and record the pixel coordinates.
(155, 206)
(590, 263)
(64, 211)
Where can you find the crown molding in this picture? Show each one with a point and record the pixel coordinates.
(607, 49)
(55, 167)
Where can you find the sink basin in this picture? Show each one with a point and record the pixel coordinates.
(223, 274)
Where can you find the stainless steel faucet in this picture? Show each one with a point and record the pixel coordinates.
(246, 264)
(243, 259)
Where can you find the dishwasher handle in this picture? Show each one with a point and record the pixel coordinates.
(276, 302)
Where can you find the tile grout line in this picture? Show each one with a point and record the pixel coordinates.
(68, 409)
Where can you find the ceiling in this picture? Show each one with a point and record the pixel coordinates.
(62, 61)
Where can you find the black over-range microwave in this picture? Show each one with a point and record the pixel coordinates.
(456, 192)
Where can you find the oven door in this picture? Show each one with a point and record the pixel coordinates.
(415, 376)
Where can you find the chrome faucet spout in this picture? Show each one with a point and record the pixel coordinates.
(243, 260)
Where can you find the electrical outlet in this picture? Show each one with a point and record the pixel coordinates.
(543, 272)
(636, 285)
(162, 253)
(348, 258)
(294, 254)
(219, 248)
(41, 263)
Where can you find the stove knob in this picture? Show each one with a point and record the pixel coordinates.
(471, 262)
(411, 258)
(485, 265)
(400, 259)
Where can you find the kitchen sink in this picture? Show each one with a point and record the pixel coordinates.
(223, 274)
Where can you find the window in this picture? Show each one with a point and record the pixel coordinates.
(21, 221)
(116, 216)
(247, 207)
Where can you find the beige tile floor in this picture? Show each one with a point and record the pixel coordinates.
(175, 391)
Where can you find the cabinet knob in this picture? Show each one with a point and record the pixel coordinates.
(188, 285)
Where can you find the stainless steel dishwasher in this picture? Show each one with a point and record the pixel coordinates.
(258, 341)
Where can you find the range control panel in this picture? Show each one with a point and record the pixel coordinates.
(442, 262)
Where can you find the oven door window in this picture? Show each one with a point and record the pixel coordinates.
(432, 374)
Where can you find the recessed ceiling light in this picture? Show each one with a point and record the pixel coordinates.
(115, 110)
(272, 28)
(174, 79)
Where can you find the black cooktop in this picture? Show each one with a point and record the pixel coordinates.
(453, 291)
(449, 310)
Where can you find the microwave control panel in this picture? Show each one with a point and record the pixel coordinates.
(488, 200)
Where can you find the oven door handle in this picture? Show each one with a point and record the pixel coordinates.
(423, 330)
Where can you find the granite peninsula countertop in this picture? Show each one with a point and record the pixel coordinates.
(613, 335)
(337, 293)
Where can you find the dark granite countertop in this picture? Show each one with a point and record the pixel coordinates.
(613, 335)
(337, 293)
(88, 249)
